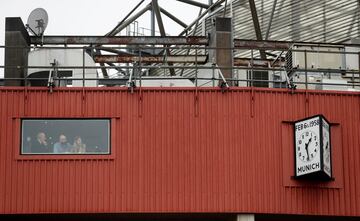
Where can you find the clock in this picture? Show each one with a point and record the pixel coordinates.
(308, 146)
(312, 147)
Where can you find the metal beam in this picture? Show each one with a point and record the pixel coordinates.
(156, 9)
(102, 65)
(118, 40)
(172, 17)
(256, 25)
(150, 59)
(248, 62)
(116, 51)
(201, 16)
(124, 24)
(97, 52)
(152, 21)
(195, 3)
(116, 68)
(284, 45)
(262, 45)
(270, 21)
(113, 31)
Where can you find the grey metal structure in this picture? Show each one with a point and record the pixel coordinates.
(334, 21)
(259, 35)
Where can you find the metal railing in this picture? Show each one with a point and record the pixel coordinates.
(135, 69)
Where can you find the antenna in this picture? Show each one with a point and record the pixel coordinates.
(37, 21)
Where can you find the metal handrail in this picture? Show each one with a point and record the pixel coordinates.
(355, 73)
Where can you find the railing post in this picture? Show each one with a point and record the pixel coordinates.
(306, 76)
(83, 67)
(213, 74)
(252, 69)
(196, 67)
(353, 79)
(139, 68)
(359, 66)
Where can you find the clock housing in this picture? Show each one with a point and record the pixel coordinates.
(312, 148)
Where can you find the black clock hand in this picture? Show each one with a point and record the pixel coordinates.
(307, 153)
(307, 149)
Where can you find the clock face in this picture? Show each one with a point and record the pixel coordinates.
(326, 147)
(307, 146)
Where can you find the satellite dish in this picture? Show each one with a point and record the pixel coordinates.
(37, 21)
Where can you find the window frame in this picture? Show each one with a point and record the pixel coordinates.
(18, 138)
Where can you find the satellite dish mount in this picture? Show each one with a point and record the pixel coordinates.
(37, 21)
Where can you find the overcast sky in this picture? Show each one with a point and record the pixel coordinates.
(90, 17)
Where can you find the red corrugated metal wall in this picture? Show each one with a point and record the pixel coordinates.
(180, 150)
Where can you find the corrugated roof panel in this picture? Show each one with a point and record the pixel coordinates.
(332, 21)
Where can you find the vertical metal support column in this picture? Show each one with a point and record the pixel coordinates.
(222, 41)
(152, 19)
(17, 43)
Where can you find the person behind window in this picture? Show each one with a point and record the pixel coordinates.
(26, 146)
(62, 146)
(78, 146)
(40, 145)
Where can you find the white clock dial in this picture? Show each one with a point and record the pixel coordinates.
(307, 146)
(326, 146)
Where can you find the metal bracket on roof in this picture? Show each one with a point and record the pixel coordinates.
(223, 85)
(131, 83)
(52, 74)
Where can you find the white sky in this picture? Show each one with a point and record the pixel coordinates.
(90, 17)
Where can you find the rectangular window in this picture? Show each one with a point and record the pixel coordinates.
(65, 136)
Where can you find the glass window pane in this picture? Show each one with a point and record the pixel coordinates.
(65, 136)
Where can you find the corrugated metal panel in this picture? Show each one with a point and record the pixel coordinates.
(325, 21)
(173, 153)
(333, 21)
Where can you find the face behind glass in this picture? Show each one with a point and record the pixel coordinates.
(78, 141)
(62, 139)
(42, 137)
